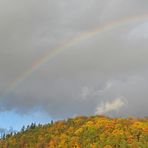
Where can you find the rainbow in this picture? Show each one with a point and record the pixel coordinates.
(71, 42)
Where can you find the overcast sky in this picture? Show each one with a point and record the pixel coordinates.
(103, 74)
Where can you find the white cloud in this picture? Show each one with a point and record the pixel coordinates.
(86, 92)
(109, 106)
(108, 86)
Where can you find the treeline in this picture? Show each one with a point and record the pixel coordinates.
(82, 132)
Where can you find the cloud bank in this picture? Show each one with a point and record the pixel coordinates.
(95, 70)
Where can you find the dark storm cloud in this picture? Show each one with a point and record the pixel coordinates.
(106, 73)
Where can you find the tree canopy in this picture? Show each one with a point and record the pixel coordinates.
(82, 132)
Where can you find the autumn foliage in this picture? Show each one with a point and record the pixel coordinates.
(82, 132)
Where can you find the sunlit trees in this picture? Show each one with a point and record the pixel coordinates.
(82, 132)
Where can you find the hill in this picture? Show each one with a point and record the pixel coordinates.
(82, 132)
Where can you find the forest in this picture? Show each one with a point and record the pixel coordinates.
(82, 132)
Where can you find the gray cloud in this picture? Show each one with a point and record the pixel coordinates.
(95, 70)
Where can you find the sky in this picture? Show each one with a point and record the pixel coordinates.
(64, 58)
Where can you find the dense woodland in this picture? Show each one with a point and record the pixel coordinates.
(82, 132)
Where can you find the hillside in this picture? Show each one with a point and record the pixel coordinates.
(82, 132)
